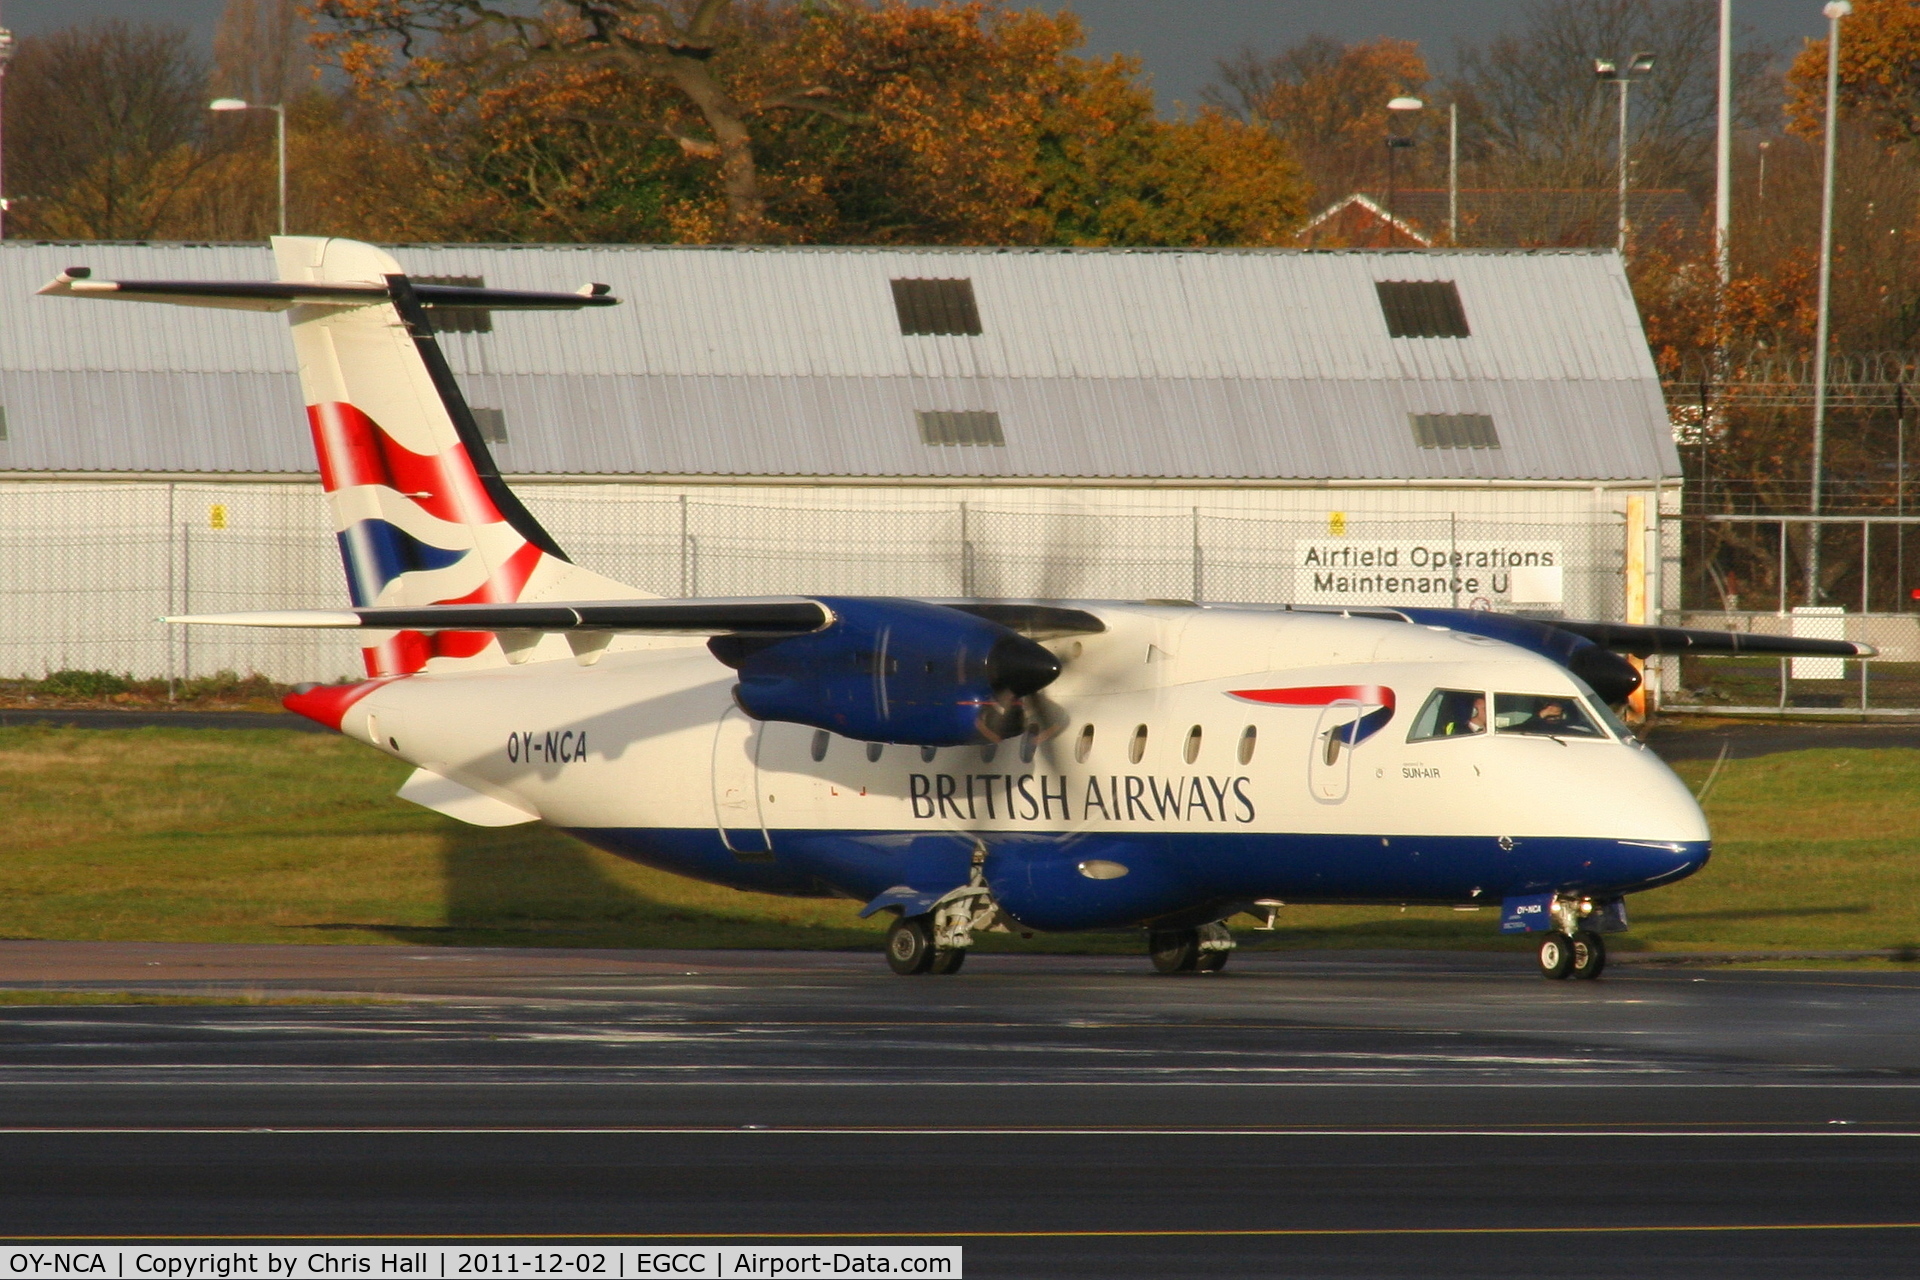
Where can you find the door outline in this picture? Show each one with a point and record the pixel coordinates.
(1330, 754)
(736, 787)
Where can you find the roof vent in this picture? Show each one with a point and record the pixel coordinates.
(936, 306)
(961, 427)
(460, 319)
(1454, 430)
(492, 424)
(1422, 309)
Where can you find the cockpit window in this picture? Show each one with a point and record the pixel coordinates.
(1552, 715)
(1450, 713)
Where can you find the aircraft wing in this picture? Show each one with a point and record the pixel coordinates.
(753, 617)
(1647, 642)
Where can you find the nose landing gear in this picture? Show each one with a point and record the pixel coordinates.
(1580, 954)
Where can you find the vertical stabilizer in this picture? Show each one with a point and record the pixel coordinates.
(421, 512)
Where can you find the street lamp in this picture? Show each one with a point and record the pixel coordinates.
(1394, 143)
(6, 53)
(1641, 64)
(1835, 10)
(280, 113)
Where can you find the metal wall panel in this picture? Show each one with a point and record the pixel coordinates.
(754, 361)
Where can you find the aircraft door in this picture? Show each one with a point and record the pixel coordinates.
(1330, 763)
(736, 787)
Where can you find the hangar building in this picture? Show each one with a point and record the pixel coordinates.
(1421, 427)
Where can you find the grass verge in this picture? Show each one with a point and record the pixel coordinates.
(199, 835)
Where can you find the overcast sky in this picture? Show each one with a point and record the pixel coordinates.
(1177, 39)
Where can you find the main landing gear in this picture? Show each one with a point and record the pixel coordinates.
(937, 942)
(1201, 950)
(910, 949)
(1580, 954)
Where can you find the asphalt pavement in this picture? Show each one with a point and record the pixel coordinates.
(1301, 1114)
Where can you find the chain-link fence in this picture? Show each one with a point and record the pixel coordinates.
(86, 570)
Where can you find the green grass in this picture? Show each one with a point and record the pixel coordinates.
(271, 836)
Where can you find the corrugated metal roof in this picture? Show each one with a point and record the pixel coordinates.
(728, 361)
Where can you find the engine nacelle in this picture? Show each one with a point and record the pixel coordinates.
(889, 671)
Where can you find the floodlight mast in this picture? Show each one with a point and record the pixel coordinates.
(280, 136)
(1835, 10)
(6, 55)
(1394, 143)
(1608, 71)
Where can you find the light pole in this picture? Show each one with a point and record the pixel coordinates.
(1723, 151)
(1453, 175)
(1394, 143)
(280, 134)
(1835, 10)
(6, 53)
(1640, 64)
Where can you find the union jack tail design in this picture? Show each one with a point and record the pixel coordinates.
(421, 512)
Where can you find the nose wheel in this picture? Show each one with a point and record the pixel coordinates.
(1578, 955)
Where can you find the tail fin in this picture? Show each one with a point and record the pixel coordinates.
(421, 512)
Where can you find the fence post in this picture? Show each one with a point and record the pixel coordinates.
(686, 545)
(172, 669)
(966, 554)
(186, 598)
(1199, 567)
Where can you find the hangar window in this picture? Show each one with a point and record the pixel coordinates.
(1422, 309)
(460, 319)
(492, 424)
(935, 306)
(961, 427)
(1454, 430)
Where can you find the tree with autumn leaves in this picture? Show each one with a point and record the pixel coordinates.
(848, 122)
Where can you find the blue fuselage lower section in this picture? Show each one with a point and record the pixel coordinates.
(1037, 878)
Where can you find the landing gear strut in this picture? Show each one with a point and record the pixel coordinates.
(1201, 950)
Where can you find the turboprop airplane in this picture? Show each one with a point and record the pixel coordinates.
(961, 764)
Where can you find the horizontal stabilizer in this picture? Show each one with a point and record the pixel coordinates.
(430, 790)
(1648, 642)
(753, 617)
(281, 295)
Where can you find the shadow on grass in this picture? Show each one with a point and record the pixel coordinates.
(531, 886)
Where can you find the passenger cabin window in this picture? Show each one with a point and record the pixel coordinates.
(821, 739)
(1029, 743)
(1137, 747)
(1192, 750)
(1450, 713)
(988, 751)
(873, 752)
(1248, 737)
(1083, 746)
(1547, 715)
(927, 754)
